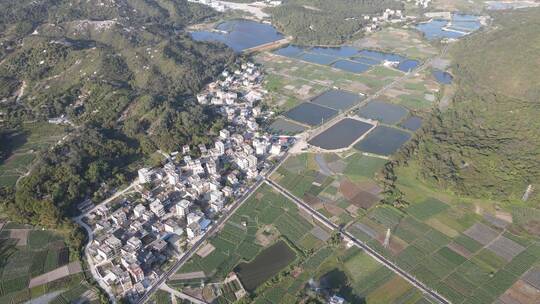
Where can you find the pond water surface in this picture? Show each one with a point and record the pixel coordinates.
(265, 265)
(383, 141)
(337, 99)
(459, 26)
(240, 34)
(384, 112)
(310, 113)
(442, 77)
(341, 135)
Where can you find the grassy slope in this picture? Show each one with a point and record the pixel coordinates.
(487, 144)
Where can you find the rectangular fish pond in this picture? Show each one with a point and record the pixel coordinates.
(265, 265)
(341, 135)
(338, 99)
(310, 114)
(347, 58)
(383, 140)
(386, 113)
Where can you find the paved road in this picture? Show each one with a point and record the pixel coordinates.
(349, 237)
(97, 277)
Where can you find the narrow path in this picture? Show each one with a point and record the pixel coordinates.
(180, 295)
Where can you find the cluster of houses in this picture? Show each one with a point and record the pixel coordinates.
(421, 3)
(173, 206)
(388, 16)
(222, 6)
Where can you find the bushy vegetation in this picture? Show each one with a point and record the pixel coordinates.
(124, 74)
(486, 144)
(326, 22)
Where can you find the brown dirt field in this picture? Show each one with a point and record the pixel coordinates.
(188, 275)
(205, 250)
(333, 209)
(370, 187)
(352, 209)
(396, 245)
(312, 200)
(56, 274)
(349, 189)
(522, 293)
(364, 200)
(265, 240)
(259, 196)
(460, 250)
(21, 235)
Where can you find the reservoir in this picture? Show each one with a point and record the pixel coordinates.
(265, 265)
(341, 135)
(459, 26)
(240, 35)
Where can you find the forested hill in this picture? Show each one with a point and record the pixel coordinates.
(487, 144)
(322, 22)
(123, 72)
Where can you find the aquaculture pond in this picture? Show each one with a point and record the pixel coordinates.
(384, 112)
(265, 265)
(351, 66)
(337, 99)
(240, 34)
(408, 65)
(383, 141)
(442, 77)
(317, 58)
(341, 135)
(412, 123)
(310, 113)
(282, 126)
(459, 26)
(347, 58)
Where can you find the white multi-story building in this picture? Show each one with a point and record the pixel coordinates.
(145, 175)
(220, 147)
(224, 134)
(182, 208)
(157, 208)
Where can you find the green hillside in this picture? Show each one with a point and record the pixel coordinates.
(124, 73)
(487, 143)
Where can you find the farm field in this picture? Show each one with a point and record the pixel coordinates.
(348, 272)
(26, 254)
(267, 218)
(341, 186)
(23, 147)
(297, 73)
(465, 249)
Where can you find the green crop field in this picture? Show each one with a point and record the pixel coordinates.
(361, 167)
(38, 255)
(234, 244)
